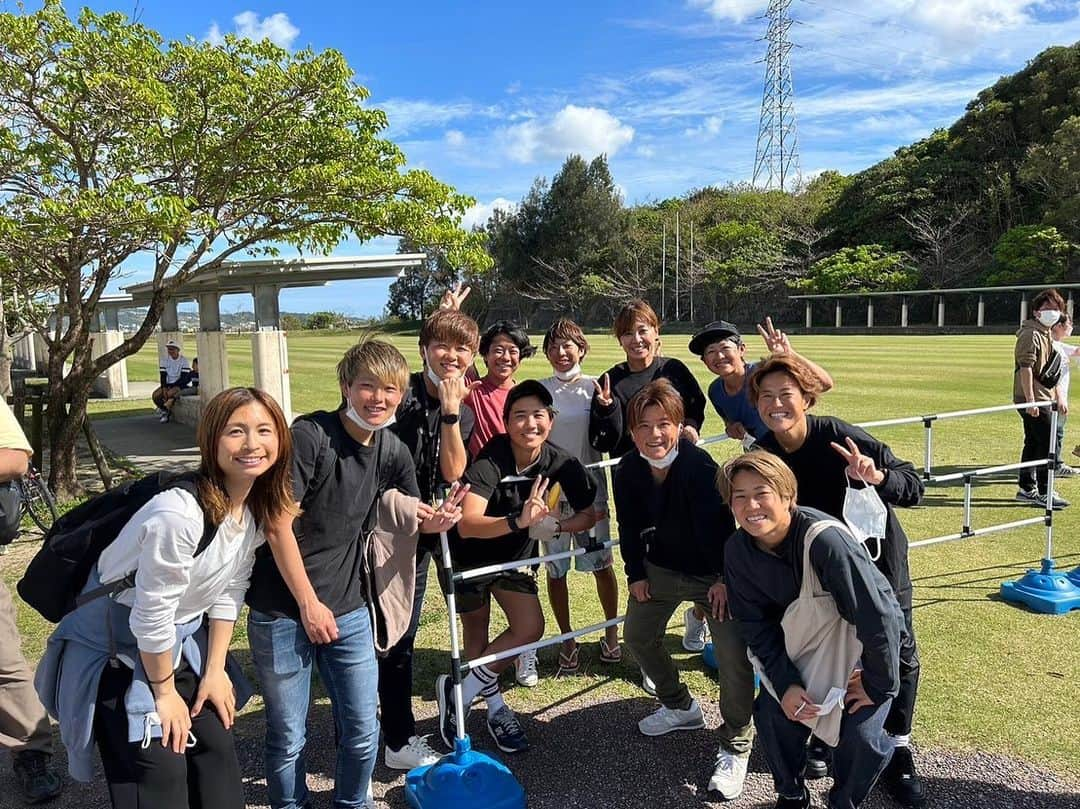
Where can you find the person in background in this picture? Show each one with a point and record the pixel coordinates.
(501, 523)
(24, 726)
(673, 525)
(827, 455)
(503, 346)
(1033, 349)
(173, 375)
(192, 388)
(565, 347)
(434, 424)
(765, 563)
(1060, 332)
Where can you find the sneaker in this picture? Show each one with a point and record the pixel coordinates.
(417, 753)
(1057, 503)
(1065, 471)
(1029, 496)
(902, 782)
(818, 757)
(505, 729)
(794, 803)
(696, 632)
(164, 418)
(729, 774)
(667, 719)
(36, 779)
(444, 699)
(525, 669)
(647, 685)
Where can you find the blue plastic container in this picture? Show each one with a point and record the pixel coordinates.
(464, 779)
(1046, 590)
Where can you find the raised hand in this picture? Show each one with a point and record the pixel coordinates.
(690, 433)
(859, 466)
(452, 392)
(447, 514)
(603, 390)
(775, 340)
(536, 507)
(454, 297)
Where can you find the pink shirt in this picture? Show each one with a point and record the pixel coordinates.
(486, 401)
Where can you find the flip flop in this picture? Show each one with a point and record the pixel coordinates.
(610, 654)
(569, 663)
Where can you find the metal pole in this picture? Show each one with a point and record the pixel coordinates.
(455, 646)
(967, 505)
(663, 270)
(928, 459)
(691, 270)
(1051, 464)
(677, 266)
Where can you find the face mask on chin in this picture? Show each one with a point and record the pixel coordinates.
(569, 376)
(364, 424)
(1048, 317)
(667, 460)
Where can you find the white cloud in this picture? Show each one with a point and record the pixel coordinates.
(588, 131)
(276, 27)
(455, 138)
(967, 16)
(734, 10)
(480, 213)
(709, 128)
(407, 115)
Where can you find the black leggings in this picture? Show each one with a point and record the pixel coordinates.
(206, 776)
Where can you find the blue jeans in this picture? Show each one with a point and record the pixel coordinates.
(283, 656)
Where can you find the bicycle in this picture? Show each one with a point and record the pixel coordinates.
(38, 502)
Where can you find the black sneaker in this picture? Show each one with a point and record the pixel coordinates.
(444, 698)
(818, 758)
(505, 729)
(902, 782)
(37, 781)
(794, 803)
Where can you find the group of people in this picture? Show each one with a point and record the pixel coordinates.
(501, 467)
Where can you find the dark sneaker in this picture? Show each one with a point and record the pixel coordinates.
(794, 803)
(444, 698)
(1029, 496)
(818, 757)
(505, 729)
(902, 782)
(37, 781)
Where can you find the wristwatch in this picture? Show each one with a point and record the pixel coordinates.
(511, 520)
(449, 418)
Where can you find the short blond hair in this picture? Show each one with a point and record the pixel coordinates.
(658, 393)
(777, 474)
(376, 358)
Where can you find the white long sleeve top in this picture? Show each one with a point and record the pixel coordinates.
(172, 585)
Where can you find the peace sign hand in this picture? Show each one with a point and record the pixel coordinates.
(447, 514)
(775, 340)
(603, 390)
(860, 467)
(454, 297)
(535, 508)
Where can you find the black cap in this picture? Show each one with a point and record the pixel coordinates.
(713, 333)
(530, 387)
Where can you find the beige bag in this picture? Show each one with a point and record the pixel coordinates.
(820, 643)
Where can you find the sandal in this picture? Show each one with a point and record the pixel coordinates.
(610, 654)
(569, 663)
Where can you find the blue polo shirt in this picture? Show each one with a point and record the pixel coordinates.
(737, 407)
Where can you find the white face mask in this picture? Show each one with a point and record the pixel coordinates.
(1049, 317)
(569, 376)
(364, 424)
(865, 515)
(667, 460)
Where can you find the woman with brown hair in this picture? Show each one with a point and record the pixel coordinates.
(143, 674)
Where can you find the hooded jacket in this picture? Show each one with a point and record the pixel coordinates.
(1034, 346)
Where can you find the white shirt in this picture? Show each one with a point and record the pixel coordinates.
(572, 402)
(174, 368)
(1068, 353)
(172, 585)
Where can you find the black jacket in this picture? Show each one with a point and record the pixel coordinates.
(761, 585)
(680, 524)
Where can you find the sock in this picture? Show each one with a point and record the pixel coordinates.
(493, 697)
(902, 740)
(475, 682)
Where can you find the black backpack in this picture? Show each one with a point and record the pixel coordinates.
(55, 577)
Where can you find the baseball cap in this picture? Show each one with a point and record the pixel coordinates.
(530, 387)
(713, 333)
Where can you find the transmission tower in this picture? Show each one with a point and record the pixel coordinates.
(776, 163)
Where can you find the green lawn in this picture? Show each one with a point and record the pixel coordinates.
(995, 677)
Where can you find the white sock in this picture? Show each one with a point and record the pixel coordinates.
(476, 681)
(494, 701)
(901, 741)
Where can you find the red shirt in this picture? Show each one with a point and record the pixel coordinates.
(486, 401)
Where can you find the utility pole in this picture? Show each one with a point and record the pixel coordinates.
(677, 318)
(691, 270)
(776, 162)
(663, 270)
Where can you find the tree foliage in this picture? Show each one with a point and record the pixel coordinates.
(1031, 254)
(417, 291)
(865, 268)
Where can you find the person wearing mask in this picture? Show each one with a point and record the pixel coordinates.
(674, 524)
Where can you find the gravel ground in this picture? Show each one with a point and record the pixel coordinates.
(590, 754)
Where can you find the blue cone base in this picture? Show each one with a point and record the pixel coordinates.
(464, 779)
(708, 655)
(1046, 590)
(1074, 577)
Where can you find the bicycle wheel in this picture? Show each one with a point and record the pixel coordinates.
(38, 501)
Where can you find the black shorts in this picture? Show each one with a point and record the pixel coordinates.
(473, 594)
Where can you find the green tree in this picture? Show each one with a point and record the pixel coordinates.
(118, 145)
(1053, 171)
(326, 320)
(1031, 254)
(291, 323)
(865, 268)
(416, 292)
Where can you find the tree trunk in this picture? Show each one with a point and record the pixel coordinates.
(66, 410)
(5, 348)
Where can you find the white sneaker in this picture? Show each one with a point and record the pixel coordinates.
(417, 753)
(164, 418)
(730, 772)
(696, 632)
(647, 685)
(667, 719)
(525, 669)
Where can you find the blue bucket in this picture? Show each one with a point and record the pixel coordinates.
(464, 779)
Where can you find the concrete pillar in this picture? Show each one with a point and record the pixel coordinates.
(1023, 309)
(41, 352)
(270, 356)
(870, 313)
(941, 311)
(22, 351)
(267, 314)
(839, 315)
(809, 314)
(113, 382)
(112, 319)
(209, 312)
(981, 318)
(213, 364)
(903, 313)
(170, 318)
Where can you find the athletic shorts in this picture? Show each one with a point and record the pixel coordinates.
(586, 562)
(473, 594)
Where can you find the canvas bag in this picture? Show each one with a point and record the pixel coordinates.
(820, 643)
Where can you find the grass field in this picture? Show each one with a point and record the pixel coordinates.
(995, 677)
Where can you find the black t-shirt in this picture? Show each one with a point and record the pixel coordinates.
(336, 492)
(496, 461)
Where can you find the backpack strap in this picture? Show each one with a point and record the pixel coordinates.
(323, 468)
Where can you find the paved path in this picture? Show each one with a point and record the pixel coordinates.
(150, 445)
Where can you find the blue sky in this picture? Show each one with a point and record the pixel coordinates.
(490, 95)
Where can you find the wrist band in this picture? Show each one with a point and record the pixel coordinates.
(164, 679)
